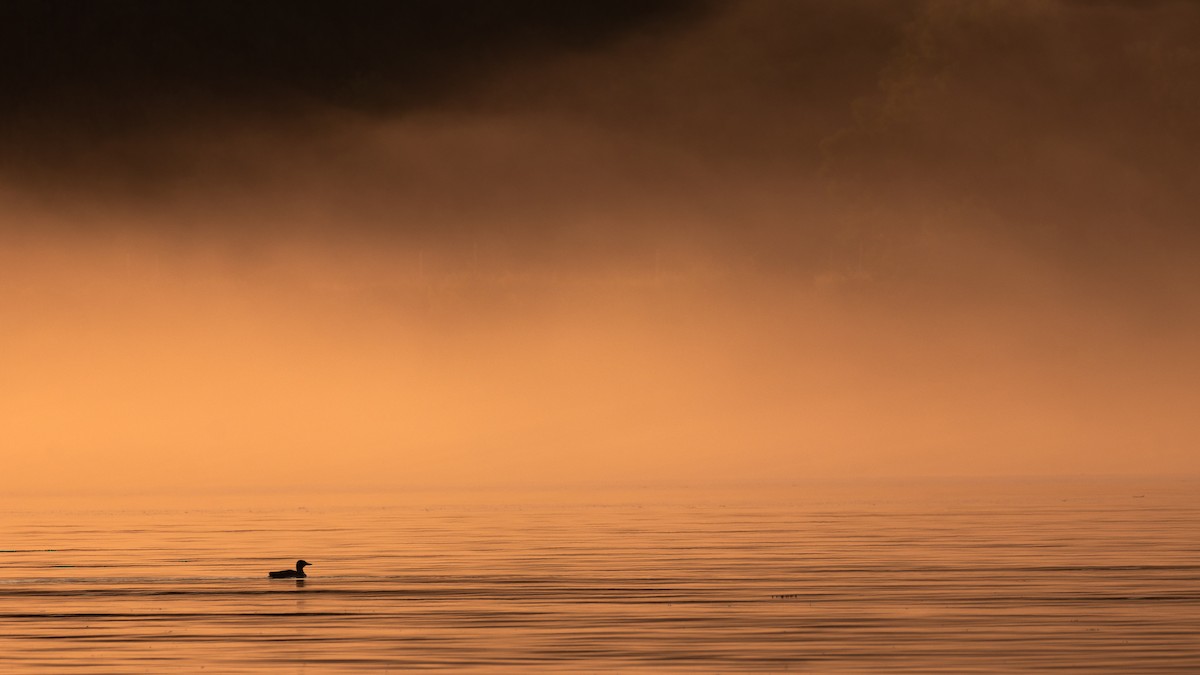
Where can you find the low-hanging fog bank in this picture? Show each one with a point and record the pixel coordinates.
(743, 242)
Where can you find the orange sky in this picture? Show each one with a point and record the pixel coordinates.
(925, 240)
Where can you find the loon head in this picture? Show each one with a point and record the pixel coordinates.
(300, 565)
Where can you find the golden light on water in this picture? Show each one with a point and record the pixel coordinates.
(651, 335)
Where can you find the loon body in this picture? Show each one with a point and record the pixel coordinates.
(297, 573)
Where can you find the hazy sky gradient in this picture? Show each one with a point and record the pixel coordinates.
(440, 244)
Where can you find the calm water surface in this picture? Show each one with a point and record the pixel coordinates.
(995, 577)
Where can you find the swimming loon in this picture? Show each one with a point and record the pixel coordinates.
(297, 573)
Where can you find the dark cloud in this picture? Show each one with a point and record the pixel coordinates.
(859, 142)
(83, 71)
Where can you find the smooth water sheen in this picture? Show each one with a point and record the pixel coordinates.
(996, 577)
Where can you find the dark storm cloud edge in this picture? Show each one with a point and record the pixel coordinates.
(97, 68)
(922, 135)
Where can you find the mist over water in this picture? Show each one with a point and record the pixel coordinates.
(736, 241)
(785, 237)
(392, 249)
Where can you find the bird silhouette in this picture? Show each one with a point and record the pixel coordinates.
(297, 573)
